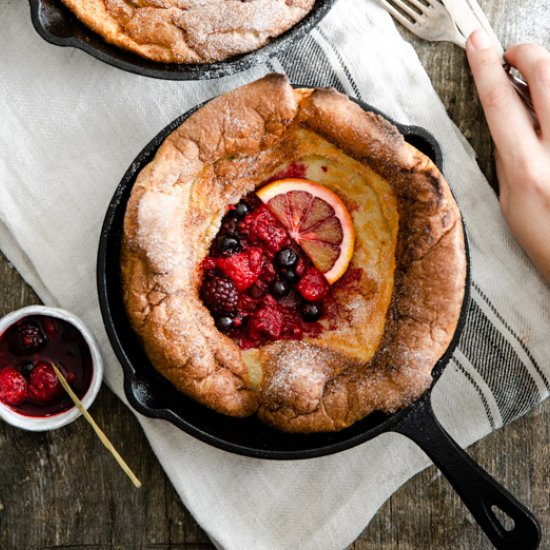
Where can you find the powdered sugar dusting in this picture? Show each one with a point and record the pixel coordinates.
(295, 368)
(194, 31)
(156, 215)
(298, 374)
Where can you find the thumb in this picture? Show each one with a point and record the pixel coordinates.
(502, 106)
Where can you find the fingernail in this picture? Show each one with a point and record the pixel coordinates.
(480, 40)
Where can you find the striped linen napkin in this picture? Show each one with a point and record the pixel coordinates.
(70, 126)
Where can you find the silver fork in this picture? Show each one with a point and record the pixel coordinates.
(431, 21)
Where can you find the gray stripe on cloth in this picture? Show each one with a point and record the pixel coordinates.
(307, 64)
(457, 364)
(512, 334)
(499, 365)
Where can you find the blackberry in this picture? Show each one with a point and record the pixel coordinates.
(26, 337)
(220, 295)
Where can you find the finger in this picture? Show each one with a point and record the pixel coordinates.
(533, 62)
(508, 120)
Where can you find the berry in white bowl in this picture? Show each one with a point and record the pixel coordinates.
(32, 340)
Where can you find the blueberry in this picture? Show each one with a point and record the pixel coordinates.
(286, 258)
(227, 245)
(290, 276)
(240, 211)
(312, 312)
(224, 324)
(25, 368)
(279, 288)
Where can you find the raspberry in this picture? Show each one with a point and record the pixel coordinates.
(13, 387)
(267, 322)
(258, 289)
(268, 271)
(300, 267)
(250, 275)
(220, 295)
(208, 263)
(44, 385)
(313, 286)
(50, 326)
(243, 269)
(247, 305)
(26, 337)
(262, 226)
(292, 328)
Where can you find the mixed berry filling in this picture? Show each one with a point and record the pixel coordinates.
(28, 351)
(258, 284)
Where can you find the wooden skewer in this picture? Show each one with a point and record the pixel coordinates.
(103, 438)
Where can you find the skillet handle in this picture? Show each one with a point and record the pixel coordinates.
(477, 489)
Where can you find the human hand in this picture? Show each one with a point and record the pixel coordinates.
(522, 152)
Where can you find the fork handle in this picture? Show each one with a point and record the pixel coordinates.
(522, 88)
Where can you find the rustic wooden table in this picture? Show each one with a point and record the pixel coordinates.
(62, 490)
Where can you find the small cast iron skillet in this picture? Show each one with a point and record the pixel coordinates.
(150, 394)
(56, 24)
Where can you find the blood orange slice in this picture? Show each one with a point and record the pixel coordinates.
(317, 219)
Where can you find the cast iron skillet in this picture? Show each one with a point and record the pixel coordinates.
(150, 394)
(57, 25)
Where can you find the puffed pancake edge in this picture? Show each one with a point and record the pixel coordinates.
(201, 32)
(176, 205)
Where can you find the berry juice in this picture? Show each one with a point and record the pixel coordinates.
(28, 383)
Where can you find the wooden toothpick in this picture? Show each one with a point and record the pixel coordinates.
(103, 438)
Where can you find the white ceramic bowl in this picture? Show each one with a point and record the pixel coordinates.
(36, 423)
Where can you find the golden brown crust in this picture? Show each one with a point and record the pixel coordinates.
(177, 203)
(169, 214)
(428, 293)
(194, 31)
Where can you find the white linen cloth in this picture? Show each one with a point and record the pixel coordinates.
(69, 128)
